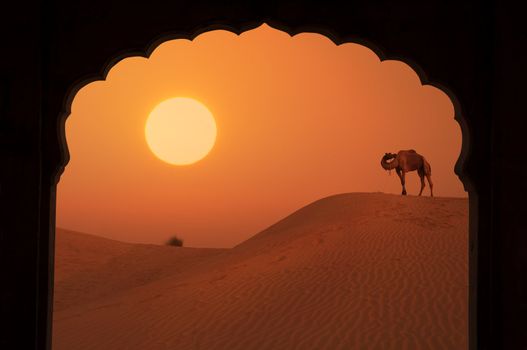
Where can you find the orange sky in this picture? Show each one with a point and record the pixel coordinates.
(298, 119)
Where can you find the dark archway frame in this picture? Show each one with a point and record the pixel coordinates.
(70, 43)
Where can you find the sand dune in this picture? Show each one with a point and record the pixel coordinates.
(89, 267)
(351, 271)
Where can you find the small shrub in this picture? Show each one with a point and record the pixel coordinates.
(175, 241)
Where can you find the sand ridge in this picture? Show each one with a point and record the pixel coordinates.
(351, 271)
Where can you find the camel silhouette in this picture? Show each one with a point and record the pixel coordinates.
(409, 160)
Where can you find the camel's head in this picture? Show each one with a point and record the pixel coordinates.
(389, 161)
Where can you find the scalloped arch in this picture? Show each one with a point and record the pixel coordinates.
(191, 34)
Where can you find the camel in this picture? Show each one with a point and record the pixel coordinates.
(409, 160)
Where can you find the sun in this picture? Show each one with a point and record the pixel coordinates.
(180, 131)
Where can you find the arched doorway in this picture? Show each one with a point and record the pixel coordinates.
(334, 123)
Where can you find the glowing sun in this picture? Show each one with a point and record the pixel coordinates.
(180, 131)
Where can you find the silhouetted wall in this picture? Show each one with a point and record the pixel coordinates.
(50, 49)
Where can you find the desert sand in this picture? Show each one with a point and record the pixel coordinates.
(350, 271)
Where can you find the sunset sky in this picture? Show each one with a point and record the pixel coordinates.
(298, 119)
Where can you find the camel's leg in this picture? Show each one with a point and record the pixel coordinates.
(428, 177)
(421, 174)
(422, 183)
(402, 176)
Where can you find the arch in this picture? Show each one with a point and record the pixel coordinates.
(150, 47)
(382, 53)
